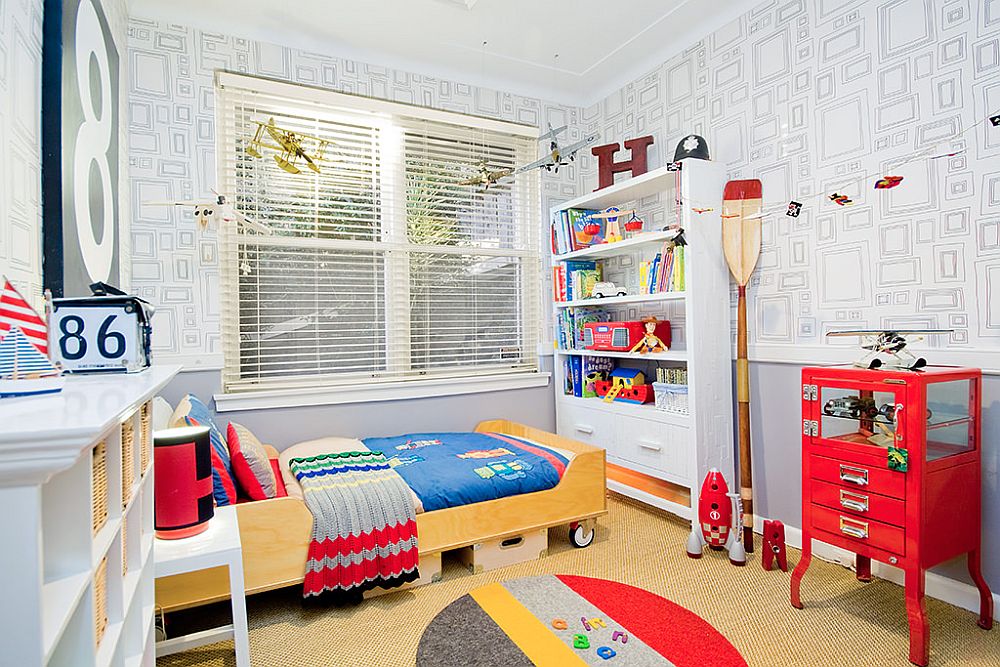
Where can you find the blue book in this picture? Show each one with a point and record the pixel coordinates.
(576, 365)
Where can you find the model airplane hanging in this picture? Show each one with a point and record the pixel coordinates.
(289, 146)
(212, 214)
(558, 156)
(886, 348)
(485, 177)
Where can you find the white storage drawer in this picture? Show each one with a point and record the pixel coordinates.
(590, 425)
(662, 447)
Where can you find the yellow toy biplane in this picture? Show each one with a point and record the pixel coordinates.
(289, 146)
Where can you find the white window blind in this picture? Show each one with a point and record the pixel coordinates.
(381, 268)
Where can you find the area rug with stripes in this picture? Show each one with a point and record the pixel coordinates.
(563, 620)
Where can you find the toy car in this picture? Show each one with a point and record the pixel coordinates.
(607, 289)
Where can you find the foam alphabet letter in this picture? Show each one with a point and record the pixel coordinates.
(598, 623)
(559, 624)
(586, 626)
(581, 641)
(606, 652)
(618, 634)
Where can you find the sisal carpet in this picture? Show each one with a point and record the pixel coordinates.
(845, 623)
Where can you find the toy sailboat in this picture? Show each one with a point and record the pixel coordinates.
(24, 371)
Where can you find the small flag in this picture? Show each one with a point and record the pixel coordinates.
(995, 120)
(887, 182)
(794, 208)
(16, 312)
(676, 166)
(840, 200)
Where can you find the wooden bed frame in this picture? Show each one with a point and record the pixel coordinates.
(276, 533)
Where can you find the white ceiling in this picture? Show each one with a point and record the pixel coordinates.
(601, 44)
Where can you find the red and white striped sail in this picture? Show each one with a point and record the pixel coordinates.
(15, 311)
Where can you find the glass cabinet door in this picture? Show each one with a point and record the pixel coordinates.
(858, 416)
(950, 428)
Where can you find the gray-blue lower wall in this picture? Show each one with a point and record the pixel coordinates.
(775, 420)
(283, 427)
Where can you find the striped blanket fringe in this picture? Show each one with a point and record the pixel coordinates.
(364, 526)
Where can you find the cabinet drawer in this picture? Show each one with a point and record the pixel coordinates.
(859, 530)
(860, 476)
(662, 447)
(592, 426)
(859, 502)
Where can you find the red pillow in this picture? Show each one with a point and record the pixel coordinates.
(250, 463)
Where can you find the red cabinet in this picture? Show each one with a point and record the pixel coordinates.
(891, 471)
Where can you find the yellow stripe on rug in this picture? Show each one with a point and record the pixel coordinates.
(529, 634)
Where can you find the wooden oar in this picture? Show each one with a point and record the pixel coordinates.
(741, 220)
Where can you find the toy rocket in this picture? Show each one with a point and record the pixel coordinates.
(714, 515)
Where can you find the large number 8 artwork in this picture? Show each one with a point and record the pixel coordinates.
(80, 148)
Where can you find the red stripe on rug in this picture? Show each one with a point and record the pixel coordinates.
(537, 451)
(674, 632)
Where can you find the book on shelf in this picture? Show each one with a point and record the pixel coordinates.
(570, 322)
(663, 273)
(569, 230)
(575, 279)
(594, 367)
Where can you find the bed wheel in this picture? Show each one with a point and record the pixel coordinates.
(581, 536)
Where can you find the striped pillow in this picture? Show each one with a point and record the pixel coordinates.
(192, 412)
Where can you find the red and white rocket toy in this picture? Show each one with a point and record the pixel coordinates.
(714, 516)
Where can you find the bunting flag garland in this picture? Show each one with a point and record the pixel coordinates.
(794, 208)
(16, 312)
(995, 120)
(841, 200)
(887, 182)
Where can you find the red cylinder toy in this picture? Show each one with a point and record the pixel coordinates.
(182, 459)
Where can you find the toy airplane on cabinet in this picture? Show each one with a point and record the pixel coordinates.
(886, 348)
(485, 177)
(558, 156)
(209, 213)
(289, 146)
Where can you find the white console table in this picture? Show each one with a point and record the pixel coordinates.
(76, 516)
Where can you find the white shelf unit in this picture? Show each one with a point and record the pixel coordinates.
(675, 448)
(76, 485)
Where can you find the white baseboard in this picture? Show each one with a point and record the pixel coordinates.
(939, 587)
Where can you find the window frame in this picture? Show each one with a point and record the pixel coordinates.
(465, 379)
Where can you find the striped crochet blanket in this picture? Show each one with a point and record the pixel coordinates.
(364, 525)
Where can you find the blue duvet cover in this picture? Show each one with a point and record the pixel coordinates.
(452, 469)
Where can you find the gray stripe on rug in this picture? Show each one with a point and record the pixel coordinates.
(548, 598)
(464, 624)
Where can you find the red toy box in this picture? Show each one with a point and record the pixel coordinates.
(620, 336)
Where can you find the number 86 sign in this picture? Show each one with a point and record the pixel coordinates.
(100, 334)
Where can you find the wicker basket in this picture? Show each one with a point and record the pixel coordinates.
(124, 549)
(671, 397)
(99, 487)
(101, 600)
(128, 460)
(145, 435)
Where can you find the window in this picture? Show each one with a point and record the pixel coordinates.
(379, 269)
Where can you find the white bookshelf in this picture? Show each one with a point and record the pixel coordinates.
(76, 574)
(676, 448)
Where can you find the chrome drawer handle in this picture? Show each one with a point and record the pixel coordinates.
(854, 475)
(649, 446)
(853, 528)
(589, 430)
(853, 501)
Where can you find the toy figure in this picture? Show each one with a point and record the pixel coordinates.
(649, 342)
